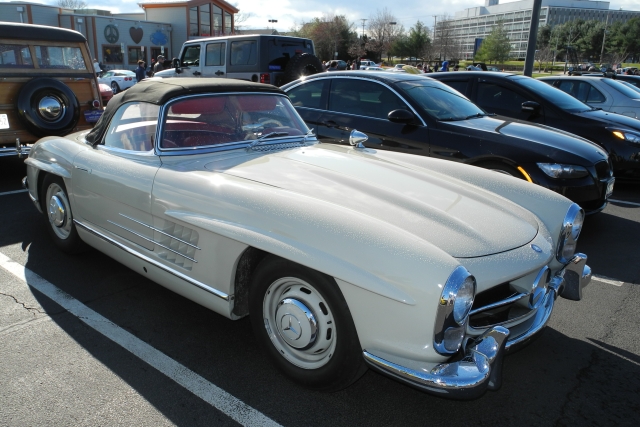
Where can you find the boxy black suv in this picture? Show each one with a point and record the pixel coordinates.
(414, 114)
(531, 100)
(258, 58)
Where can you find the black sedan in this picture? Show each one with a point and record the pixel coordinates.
(415, 114)
(529, 99)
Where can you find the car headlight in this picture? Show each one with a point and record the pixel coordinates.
(452, 315)
(569, 233)
(558, 170)
(628, 136)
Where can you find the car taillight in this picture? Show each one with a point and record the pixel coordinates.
(127, 79)
(96, 103)
(265, 78)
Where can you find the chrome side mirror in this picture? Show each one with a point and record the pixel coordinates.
(357, 138)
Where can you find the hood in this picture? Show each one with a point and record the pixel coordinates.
(544, 140)
(459, 218)
(611, 119)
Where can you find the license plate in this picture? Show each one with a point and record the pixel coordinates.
(4, 121)
(610, 188)
(92, 116)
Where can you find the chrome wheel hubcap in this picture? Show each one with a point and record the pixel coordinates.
(299, 323)
(50, 108)
(59, 211)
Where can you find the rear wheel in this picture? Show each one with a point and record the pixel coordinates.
(115, 88)
(303, 322)
(300, 65)
(55, 203)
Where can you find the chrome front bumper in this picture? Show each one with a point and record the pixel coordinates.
(480, 368)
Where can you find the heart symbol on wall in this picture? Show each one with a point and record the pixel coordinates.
(136, 34)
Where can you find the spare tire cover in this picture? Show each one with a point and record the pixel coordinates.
(48, 107)
(303, 64)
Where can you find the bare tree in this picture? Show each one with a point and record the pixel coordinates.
(239, 19)
(544, 55)
(383, 31)
(72, 4)
(445, 46)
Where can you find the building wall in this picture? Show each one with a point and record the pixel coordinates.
(177, 16)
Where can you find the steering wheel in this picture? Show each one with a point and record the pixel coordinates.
(272, 122)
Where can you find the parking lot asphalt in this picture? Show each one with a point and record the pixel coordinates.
(109, 347)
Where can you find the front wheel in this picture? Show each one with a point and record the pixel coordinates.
(503, 169)
(59, 218)
(302, 320)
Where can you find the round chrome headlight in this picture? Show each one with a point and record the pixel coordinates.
(569, 233)
(454, 307)
(464, 300)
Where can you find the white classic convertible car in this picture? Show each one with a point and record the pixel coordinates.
(344, 257)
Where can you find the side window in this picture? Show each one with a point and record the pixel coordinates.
(214, 55)
(244, 52)
(309, 95)
(460, 86)
(133, 127)
(191, 55)
(595, 95)
(15, 56)
(363, 98)
(492, 97)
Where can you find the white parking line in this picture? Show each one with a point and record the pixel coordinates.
(215, 396)
(6, 193)
(626, 203)
(607, 280)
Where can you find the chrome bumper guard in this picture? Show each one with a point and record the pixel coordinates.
(481, 367)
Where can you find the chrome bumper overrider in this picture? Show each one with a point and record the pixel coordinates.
(480, 369)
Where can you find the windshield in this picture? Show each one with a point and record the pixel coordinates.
(440, 101)
(554, 95)
(625, 88)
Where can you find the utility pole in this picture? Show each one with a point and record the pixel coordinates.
(363, 21)
(533, 37)
(435, 18)
(604, 37)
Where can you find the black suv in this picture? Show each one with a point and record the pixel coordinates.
(258, 58)
(532, 100)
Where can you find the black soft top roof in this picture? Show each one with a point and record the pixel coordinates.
(162, 90)
(10, 30)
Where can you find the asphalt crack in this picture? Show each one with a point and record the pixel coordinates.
(32, 310)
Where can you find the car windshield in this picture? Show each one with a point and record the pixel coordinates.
(554, 95)
(440, 101)
(625, 88)
(202, 121)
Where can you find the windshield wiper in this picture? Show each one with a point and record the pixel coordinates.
(473, 116)
(263, 138)
(451, 119)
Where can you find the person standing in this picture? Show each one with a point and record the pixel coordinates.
(159, 64)
(96, 67)
(140, 71)
(333, 66)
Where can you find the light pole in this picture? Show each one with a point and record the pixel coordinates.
(273, 21)
(604, 37)
(389, 41)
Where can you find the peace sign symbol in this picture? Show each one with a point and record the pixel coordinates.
(111, 33)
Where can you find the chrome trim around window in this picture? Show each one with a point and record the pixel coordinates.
(151, 241)
(145, 258)
(159, 231)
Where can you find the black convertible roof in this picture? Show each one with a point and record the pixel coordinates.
(162, 90)
(10, 30)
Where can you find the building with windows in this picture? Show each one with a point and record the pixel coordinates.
(477, 22)
(119, 40)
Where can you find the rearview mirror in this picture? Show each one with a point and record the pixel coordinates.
(357, 138)
(532, 106)
(401, 116)
(176, 65)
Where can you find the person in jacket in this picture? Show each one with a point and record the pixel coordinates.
(159, 64)
(445, 66)
(141, 71)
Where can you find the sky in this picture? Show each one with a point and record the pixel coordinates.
(292, 13)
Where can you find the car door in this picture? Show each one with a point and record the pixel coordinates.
(112, 183)
(191, 60)
(364, 105)
(215, 59)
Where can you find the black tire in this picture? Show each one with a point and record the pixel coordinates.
(329, 360)
(61, 116)
(57, 209)
(502, 168)
(300, 65)
(115, 88)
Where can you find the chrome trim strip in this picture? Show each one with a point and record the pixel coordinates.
(145, 258)
(151, 241)
(513, 298)
(160, 231)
